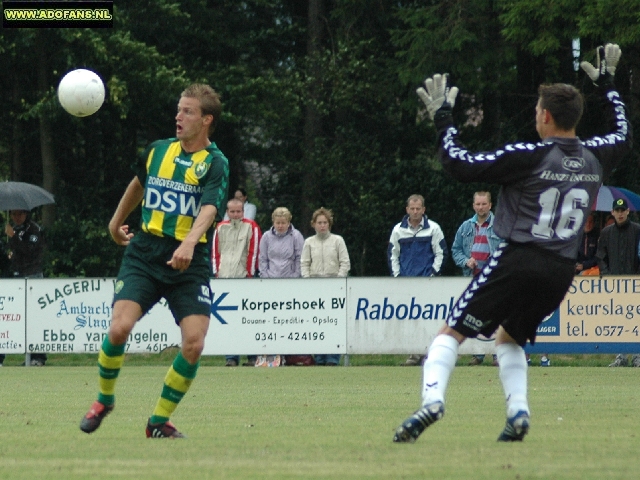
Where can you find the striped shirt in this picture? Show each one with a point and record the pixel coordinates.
(480, 248)
(177, 184)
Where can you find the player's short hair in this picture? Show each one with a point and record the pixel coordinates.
(210, 103)
(482, 193)
(282, 212)
(415, 198)
(322, 211)
(564, 102)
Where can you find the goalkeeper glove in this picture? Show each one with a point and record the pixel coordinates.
(607, 58)
(436, 93)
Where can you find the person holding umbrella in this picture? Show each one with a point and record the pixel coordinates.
(26, 245)
(26, 252)
(24, 236)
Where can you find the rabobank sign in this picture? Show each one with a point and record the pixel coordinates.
(367, 309)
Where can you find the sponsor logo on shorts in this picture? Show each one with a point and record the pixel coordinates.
(473, 323)
(119, 285)
(205, 295)
(202, 299)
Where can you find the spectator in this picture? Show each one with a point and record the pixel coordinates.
(609, 221)
(417, 248)
(234, 254)
(281, 247)
(26, 252)
(324, 255)
(250, 209)
(280, 252)
(618, 255)
(587, 259)
(474, 243)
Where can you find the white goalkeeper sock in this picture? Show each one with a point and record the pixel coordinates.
(512, 362)
(441, 360)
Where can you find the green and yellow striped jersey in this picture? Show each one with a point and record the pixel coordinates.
(176, 184)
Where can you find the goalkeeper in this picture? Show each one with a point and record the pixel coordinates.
(547, 189)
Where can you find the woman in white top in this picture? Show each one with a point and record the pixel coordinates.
(324, 255)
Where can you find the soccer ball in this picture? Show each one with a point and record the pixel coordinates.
(81, 92)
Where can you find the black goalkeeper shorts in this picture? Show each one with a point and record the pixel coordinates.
(520, 285)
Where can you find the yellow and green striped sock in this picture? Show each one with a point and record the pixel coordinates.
(110, 360)
(176, 383)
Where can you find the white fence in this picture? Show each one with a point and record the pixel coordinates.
(305, 316)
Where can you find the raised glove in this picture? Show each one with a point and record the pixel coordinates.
(607, 58)
(436, 92)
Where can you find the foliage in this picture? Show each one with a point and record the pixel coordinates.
(82, 248)
(371, 151)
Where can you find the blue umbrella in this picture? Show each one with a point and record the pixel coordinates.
(606, 196)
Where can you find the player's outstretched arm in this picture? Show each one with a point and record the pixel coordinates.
(607, 58)
(129, 201)
(437, 93)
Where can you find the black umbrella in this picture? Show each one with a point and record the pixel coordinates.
(23, 196)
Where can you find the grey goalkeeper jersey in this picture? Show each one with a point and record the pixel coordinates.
(547, 188)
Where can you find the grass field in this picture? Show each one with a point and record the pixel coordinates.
(334, 423)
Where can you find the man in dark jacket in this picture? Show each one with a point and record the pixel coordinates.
(26, 252)
(26, 243)
(618, 245)
(618, 255)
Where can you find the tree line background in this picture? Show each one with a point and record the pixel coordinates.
(319, 105)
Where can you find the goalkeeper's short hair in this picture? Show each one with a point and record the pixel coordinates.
(564, 102)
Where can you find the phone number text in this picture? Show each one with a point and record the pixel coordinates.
(292, 336)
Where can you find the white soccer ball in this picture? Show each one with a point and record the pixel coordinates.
(81, 92)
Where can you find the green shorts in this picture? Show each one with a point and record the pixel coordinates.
(145, 277)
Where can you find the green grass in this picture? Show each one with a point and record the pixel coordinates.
(165, 357)
(334, 423)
